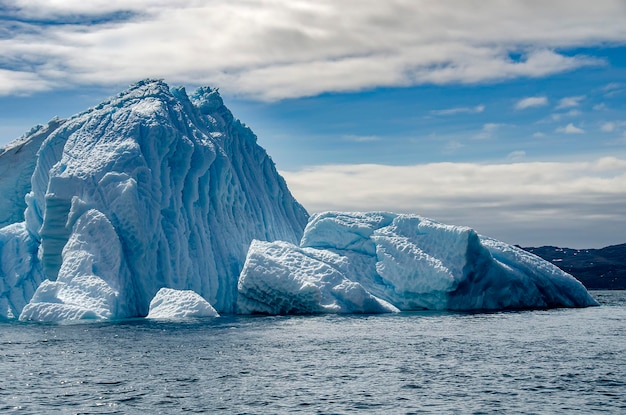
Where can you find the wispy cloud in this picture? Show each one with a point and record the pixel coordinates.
(570, 113)
(459, 110)
(612, 126)
(488, 130)
(526, 203)
(277, 49)
(453, 146)
(531, 102)
(608, 127)
(361, 138)
(569, 102)
(613, 89)
(570, 129)
(516, 155)
(612, 86)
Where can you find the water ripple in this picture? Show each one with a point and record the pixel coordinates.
(544, 362)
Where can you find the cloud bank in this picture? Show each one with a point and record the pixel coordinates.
(572, 204)
(275, 49)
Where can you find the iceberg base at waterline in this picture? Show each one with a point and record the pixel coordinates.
(354, 262)
(347, 262)
(384, 262)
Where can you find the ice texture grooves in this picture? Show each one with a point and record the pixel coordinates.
(17, 163)
(151, 189)
(352, 262)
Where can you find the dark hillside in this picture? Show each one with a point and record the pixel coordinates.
(597, 269)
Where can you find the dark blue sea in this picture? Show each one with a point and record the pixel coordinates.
(564, 361)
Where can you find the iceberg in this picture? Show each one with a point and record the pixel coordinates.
(151, 189)
(375, 262)
(161, 204)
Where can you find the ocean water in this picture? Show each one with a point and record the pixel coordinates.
(533, 362)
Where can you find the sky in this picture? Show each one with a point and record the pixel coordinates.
(506, 116)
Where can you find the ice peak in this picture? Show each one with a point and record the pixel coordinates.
(207, 99)
(147, 88)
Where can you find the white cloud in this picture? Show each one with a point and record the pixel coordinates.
(612, 126)
(12, 82)
(539, 134)
(611, 86)
(612, 89)
(569, 102)
(273, 49)
(531, 102)
(459, 110)
(488, 130)
(570, 129)
(577, 204)
(561, 115)
(573, 113)
(608, 127)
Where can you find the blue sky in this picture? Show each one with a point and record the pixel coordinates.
(505, 116)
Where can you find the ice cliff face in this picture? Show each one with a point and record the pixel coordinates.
(151, 189)
(384, 262)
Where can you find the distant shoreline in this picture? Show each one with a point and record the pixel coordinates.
(597, 269)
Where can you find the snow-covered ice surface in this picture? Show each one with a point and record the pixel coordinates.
(383, 262)
(281, 278)
(151, 189)
(178, 304)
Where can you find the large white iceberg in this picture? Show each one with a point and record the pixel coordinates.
(151, 189)
(155, 197)
(383, 262)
